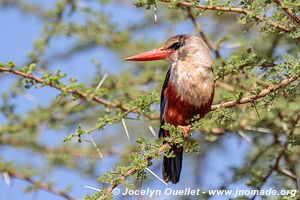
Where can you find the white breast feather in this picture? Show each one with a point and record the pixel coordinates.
(194, 85)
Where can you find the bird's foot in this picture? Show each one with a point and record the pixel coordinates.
(185, 130)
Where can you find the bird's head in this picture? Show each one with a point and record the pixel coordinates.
(180, 47)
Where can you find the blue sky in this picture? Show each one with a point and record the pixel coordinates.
(16, 38)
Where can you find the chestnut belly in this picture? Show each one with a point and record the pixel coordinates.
(179, 111)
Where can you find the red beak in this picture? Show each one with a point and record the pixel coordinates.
(156, 54)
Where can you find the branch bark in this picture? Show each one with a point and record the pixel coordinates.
(163, 148)
(198, 28)
(232, 10)
(62, 89)
(249, 99)
(288, 11)
(227, 104)
(131, 172)
(42, 186)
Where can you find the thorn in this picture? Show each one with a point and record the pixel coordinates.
(31, 98)
(101, 82)
(243, 135)
(74, 103)
(254, 105)
(125, 128)
(88, 141)
(284, 127)
(155, 12)
(288, 172)
(6, 178)
(298, 183)
(92, 188)
(156, 176)
(258, 129)
(95, 145)
(152, 130)
(131, 118)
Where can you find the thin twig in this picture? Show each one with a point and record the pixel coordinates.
(273, 169)
(276, 167)
(202, 34)
(46, 40)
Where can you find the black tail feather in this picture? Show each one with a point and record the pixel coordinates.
(172, 166)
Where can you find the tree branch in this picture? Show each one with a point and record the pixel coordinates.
(202, 34)
(273, 169)
(163, 148)
(276, 167)
(39, 185)
(263, 93)
(37, 53)
(228, 104)
(132, 171)
(232, 10)
(63, 89)
(288, 11)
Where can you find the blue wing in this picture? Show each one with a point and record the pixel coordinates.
(163, 102)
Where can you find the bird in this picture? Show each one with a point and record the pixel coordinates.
(188, 90)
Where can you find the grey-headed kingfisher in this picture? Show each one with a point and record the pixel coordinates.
(188, 89)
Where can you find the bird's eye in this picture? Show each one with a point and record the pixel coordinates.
(176, 46)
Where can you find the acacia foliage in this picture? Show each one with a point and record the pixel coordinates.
(255, 45)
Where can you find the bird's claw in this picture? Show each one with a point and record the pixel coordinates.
(185, 130)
